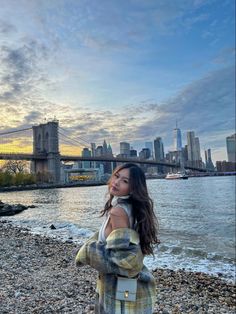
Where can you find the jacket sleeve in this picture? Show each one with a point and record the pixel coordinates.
(118, 260)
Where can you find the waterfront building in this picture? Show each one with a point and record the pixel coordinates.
(99, 151)
(133, 153)
(185, 153)
(177, 139)
(231, 147)
(93, 153)
(109, 150)
(93, 148)
(124, 149)
(197, 147)
(175, 156)
(150, 146)
(145, 153)
(86, 153)
(158, 149)
(82, 175)
(104, 146)
(193, 146)
(159, 152)
(208, 160)
(226, 166)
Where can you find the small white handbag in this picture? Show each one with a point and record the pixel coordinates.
(126, 289)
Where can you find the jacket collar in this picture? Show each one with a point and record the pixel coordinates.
(116, 199)
(121, 238)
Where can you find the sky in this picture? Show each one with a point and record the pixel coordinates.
(120, 70)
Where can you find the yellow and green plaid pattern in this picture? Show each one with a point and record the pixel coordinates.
(120, 255)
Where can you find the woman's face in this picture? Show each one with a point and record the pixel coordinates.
(119, 184)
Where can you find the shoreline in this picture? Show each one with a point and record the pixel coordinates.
(38, 275)
(87, 184)
(48, 186)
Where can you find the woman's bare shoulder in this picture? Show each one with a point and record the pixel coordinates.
(118, 218)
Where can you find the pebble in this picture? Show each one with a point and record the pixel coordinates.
(38, 275)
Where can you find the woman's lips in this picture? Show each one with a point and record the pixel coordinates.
(113, 188)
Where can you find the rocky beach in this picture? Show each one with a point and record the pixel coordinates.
(10, 210)
(38, 275)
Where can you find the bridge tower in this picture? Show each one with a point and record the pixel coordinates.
(45, 142)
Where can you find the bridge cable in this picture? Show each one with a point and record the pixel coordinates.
(78, 136)
(74, 141)
(5, 133)
(68, 141)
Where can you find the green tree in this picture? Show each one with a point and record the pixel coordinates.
(6, 179)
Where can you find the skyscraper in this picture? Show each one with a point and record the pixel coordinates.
(104, 146)
(158, 149)
(93, 152)
(109, 150)
(99, 151)
(93, 148)
(145, 153)
(125, 149)
(193, 147)
(208, 160)
(231, 147)
(159, 152)
(150, 146)
(197, 149)
(86, 153)
(177, 139)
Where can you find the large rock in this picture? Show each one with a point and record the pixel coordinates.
(9, 210)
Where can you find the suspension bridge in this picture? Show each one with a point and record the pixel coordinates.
(40, 145)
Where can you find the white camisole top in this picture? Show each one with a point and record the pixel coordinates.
(117, 202)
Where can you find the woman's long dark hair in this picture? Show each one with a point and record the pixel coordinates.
(142, 207)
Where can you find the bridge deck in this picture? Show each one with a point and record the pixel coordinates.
(13, 156)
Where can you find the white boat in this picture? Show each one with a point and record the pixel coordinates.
(177, 175)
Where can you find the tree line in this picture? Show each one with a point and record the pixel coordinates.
(15, 173)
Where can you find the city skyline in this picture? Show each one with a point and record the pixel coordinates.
(123, 71)
(201, 153)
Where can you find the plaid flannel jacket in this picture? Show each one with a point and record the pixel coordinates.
(120, 255)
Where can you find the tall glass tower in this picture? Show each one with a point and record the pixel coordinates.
(231, 147)
(150, 146)
(192, 155)
(158, 149)
(177, 139)
(125, 149)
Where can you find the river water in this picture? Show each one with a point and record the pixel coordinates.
(196, 219)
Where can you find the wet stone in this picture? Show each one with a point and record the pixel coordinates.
(38, 275)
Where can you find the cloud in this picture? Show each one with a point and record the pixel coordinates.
(91, 53)
(225, 56)
(169, 17)
(20, 72)
(112, 26)
(6, 28)
(205, 106)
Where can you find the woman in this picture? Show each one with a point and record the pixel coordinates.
(128, 233)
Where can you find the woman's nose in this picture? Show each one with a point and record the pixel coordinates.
(116, 181)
